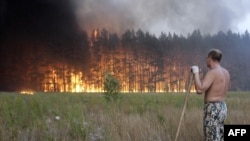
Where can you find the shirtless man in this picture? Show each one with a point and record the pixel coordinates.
(215, 85)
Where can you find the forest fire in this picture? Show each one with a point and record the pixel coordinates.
(54, 83)
(136, 73)
(72, 81)
(67, 81)
(138, 64)
(67, 48)
(29, 92)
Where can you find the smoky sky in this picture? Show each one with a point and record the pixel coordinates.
(156, 16)
(37, 17)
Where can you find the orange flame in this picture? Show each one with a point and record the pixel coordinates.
(29, 92)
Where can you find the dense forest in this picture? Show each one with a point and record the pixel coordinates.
(141, 61)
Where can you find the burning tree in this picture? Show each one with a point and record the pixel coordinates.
(140, 61)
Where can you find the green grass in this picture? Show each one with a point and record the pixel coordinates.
(88, 117)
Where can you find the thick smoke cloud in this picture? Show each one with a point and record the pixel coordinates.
(44, 17)
(155, 16)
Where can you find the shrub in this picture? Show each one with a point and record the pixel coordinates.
(111, 87)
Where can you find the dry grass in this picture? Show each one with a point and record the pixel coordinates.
(88, 117)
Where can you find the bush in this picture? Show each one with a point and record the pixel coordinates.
(111, 87)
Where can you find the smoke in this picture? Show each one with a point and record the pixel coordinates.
(154, 16)
(157, 16)
(37, 16)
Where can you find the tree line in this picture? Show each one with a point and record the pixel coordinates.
(141, 61)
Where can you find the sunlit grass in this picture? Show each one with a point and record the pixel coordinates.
(81, 116)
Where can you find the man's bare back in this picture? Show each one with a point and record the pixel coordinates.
(216, 81)
(219, 86)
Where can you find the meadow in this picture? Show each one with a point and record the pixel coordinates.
(89, 117)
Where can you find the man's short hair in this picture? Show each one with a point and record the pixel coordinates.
(215, 54)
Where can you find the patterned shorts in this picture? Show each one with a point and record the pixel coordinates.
(214, 116)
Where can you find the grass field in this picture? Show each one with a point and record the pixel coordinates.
(88, 117)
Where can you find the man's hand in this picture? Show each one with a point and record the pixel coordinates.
(195, 69)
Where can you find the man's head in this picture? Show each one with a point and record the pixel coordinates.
(214, 56)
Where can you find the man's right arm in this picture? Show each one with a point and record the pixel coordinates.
(197, 83)
(202, 86)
